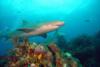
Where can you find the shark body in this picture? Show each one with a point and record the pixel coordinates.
(32, 31)
(42, 30)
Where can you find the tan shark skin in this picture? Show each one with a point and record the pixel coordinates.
(43, 29)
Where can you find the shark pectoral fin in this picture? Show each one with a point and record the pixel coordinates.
(26, 30)
(44, 35)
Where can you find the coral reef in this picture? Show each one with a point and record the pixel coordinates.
(86, 48)
(59, 54)
(26, 54)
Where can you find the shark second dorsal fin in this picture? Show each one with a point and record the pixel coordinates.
(44, 35)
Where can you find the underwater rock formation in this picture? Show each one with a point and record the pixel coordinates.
(25, 54)
(62, 42)
(37, 55)
(87, 49)
(97, 48)
(82, 48)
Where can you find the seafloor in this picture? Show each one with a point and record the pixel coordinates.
(82, 51)
(26, 54)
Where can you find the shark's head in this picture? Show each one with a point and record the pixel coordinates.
(58, 23)
(53, 25)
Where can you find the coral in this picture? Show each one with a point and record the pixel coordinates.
(37, 55)
(86, 49)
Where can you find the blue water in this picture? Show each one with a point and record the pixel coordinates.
(80, 16)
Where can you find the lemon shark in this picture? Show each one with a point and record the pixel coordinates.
(32, 30)
(42, 30)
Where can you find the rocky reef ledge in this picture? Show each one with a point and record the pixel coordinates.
(26, 54)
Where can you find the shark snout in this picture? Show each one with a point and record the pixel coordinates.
(60, 24)
(57, 23)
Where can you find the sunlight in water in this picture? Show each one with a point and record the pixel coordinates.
(43, 7)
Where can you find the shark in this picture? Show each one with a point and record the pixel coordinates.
(32, 30)
(42, 30)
